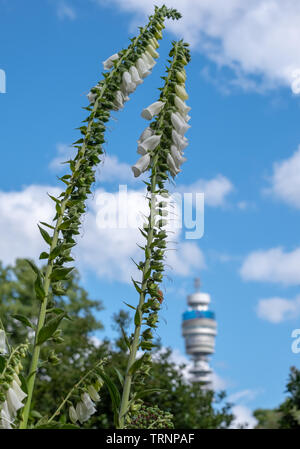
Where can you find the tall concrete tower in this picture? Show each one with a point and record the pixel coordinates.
(199, 329)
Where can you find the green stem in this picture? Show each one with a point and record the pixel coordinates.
(137, 331)
(43, 307)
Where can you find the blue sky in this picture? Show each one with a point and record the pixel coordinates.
(243, 153)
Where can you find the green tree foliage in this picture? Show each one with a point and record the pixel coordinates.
(190, 406)
(287, 415)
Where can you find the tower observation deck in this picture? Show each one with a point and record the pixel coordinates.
(199, 329)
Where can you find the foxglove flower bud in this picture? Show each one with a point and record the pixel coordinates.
(180, 141)
(108, 63)
(172, 166)
(181, 77)
(3, 348)
(142, 68)
(93, 393)
(176, 155)
(141, 165)
(145, 134)
(82, 412)
(73, 415)
(179, 124)
(135, 75)
(152, 110)
(181, 92)
(181, 106)
(127, 84)
(152, 51)
(153, 42)
(148, 144)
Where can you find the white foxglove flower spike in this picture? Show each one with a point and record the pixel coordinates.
(142, 68)
(135, 75)
(176, 155)
(148, 144)
(180, 126)
(172, 166)
(108, 63)
(141, 165)
(181, 106)
(145, 134)
(152, 110)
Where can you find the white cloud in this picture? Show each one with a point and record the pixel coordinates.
(65, 11)
(260, 37)
(275, 310)
(64, 153)
(243, 417)
(20, 213)
(273, 265)
(106, 251)
(215, 190)
(285, 180)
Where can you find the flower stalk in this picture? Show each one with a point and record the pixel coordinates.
(152, 267)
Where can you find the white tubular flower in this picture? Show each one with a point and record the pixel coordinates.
(119, 100)
(13, 403)
(19, 392)
(92, 97)
(141, 165)
(82, 412)
(6, 419)
(145, 134)
(127, 84)
(142, 68)
(72, 414)
(153, 41)
(17, 380)
(176, 155)
(3, 348)
(108, 63)
(181, 92)
(181, 106)
(93, 393)
(148, 144)
(180, 141)
(152, 51)
(149, 58)
(179, 124)
(152, 110)
(172, 166)
(135, 75)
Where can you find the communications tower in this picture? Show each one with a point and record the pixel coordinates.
(199, 329)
